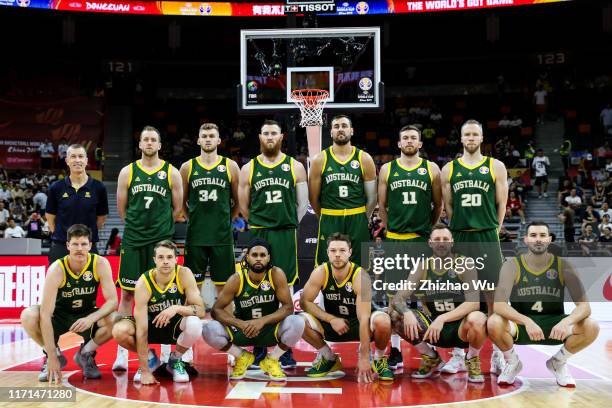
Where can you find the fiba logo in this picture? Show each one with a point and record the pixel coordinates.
(23, 3)
(484, 170)
(355, 164)
(551, 274)
(221, 168)
(285, 167)
(422, 171)
(349, 287)
(265, 285)
(87, 276)
(365, 84)
(362, 7)
(161, 175)
(205, 8)
(252, 86)
(172, 288)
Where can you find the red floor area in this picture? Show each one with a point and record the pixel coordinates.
(213, 388)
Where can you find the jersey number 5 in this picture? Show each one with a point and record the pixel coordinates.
(256, 313)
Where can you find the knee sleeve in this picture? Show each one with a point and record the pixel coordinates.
(215, 335)
(290, 330)
(192, 329)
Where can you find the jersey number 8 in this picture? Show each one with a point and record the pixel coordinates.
(343, 310)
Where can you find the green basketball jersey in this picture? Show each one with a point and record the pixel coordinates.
(254, 301)
(78, 292)
(161, 299)
(210, 195)
(273, 197)
(339, 299)
(148, 218)
(538, 292)
(473, 192)
(342, 182)
(409, 198)
(442, 292)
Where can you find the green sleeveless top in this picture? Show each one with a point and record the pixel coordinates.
(78, 292)
(209, 202)
(473, 193)
(273, 197)
(339, 298)
(538, 292)
(409, 198)
(444, 293)
(161, 299)
(254, 301)
(148, 218)
(342, 182)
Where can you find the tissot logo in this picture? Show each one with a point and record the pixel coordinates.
(309, 8)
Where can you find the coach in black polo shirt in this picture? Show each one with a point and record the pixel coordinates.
(77, 199)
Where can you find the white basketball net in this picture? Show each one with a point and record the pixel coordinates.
(311, 103)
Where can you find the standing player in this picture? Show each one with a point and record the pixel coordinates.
(69, 304)
(342, 190)
(346, 316)
(450, 313)
(210, 200)
(541, 164)
(535, 284)
(257, 290)
(409, 201)
(149, 199)
(475, 192)
(168, 311)
(273, 197)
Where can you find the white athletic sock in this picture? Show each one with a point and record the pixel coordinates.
(562, 355)
(277, 353)
(121, 350)
(326, 353)
(495, 348)
(89, 346)
(396, 341)
(425, 348)
(472, 351)
(510, 355)
(458, 351)
(235, 351)
(378, 354)
(58, 352)
(166, 349)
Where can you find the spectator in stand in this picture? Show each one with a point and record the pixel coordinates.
(443, 217)
(46, 151)
(4, 215)
(605, 223)
(567, 218)
(18, 210)
(238, 225)
(513, 157)
(5, 194)
(436, 116)
(590, 217)
(605, 210)
(564, 191)
(17, 193)
(609, 166)
(599, 194)
(429, 135)
(515, 207)
(519, 188)
(530, 152)
(40, 199)
(587, 240)
(540, 165)
(62, 148)
(540, 100)
(575, 203)
(3, 175)
(606, 120)
(113, 245)
(606, 237)
(99, 156)
(565, 151)
(13, 230)
(33, 226)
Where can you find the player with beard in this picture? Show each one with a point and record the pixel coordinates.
(535, 284)
(346, 314)
(257, 290)
(475, 193)
(449, 311)
(342, 190)
(273, 197)
(409, 202)
(149, 199)
(210, 200)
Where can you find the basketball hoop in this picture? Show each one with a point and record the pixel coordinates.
(311, 103)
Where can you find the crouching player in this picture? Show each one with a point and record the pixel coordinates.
(69, 304)
(167, 310)
(256, 289)
(347, 299)
(450, 317)
(535, 284)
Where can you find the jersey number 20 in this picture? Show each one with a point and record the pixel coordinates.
(471, 200)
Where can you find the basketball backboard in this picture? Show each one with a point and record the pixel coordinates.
(343, 61)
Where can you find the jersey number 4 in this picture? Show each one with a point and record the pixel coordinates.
(537, 306)
(471, 200)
